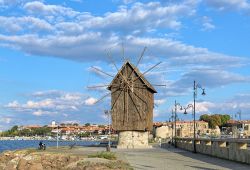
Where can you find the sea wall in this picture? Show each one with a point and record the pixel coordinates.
(231, 149)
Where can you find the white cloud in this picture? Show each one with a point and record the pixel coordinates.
(41, 112)
(138, 18)
(159, 101)
(17, 24)
(94, 34)
(46, 94)
(6, 120)
(90, 101)
(145, 16)
(211, 78)
(240, 102)
(128, 1)
(72, 47)
(207, 23)
(59, 31)
(156, 113)
(77, 1)
(204, 107)
(208, 77)
(37, 7)
(229, 4)
(49, 103)
(71, 121)
(13, 104)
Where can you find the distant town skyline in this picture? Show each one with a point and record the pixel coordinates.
(47, 49)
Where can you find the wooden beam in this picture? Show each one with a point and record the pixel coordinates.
(147, 71)
(97, 69)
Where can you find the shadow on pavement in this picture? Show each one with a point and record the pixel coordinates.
(145, 166)
(209, 159)
(198, 167)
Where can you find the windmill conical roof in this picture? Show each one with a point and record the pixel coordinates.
(138, 73)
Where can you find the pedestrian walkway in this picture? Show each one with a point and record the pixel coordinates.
(175, 159)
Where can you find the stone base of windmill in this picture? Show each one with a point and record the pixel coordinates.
(133, 140)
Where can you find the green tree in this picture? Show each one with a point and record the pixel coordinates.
(224, 119)
(87, 124)
(14, 128)
(42, 131)
(86, 134)
(12, 132)
(205, 117)
(24, 132)
(62, 124)
(215, 119)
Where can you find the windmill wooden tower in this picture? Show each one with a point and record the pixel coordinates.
(132, 103)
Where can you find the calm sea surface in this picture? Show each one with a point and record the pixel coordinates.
(21, 144)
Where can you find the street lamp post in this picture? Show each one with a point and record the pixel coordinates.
(175, 116)
(57, 136)
(185, 112)
(196, 86)
(172, 125)
(107, 113)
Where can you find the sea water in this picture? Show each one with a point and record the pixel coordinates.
(22, 144)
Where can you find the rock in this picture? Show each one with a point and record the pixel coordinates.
(28, 157)
(12, 164)
(10, 167)
(73, 159)
(22, 164)
(35, 166)
(53, 161)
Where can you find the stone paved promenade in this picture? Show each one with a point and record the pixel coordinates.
(163, 159)
(175, 159)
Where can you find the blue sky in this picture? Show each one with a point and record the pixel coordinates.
(47, 49)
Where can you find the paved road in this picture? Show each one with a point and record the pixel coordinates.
(175, 159)
(164, 159)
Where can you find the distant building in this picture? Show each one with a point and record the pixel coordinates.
(53, 123)
(30, 127)
(238, 128)
(183, 129)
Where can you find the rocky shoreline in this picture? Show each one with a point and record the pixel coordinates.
(31, 159)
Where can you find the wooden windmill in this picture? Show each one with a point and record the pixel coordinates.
(132, 98)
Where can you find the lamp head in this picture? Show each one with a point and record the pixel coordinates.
(185, 112)
(203, 92)
(106, 112)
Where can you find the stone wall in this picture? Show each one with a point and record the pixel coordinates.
(232, 149)
(133, 139)
(163, 132)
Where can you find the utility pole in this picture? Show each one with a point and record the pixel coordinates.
(172, 124)
(195, 93)
(108, 113)
(196, 86)
(175, 117)
(57, 136)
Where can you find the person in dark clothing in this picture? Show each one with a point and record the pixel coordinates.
(169, 143)
(40, 145)
(43, 146)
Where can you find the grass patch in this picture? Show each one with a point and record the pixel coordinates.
(114, 164)
(119, 165)
(105, 155)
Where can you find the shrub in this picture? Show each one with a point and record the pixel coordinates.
(105, 155)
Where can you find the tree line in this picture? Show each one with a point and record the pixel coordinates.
(215, 120)
(14, 131)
